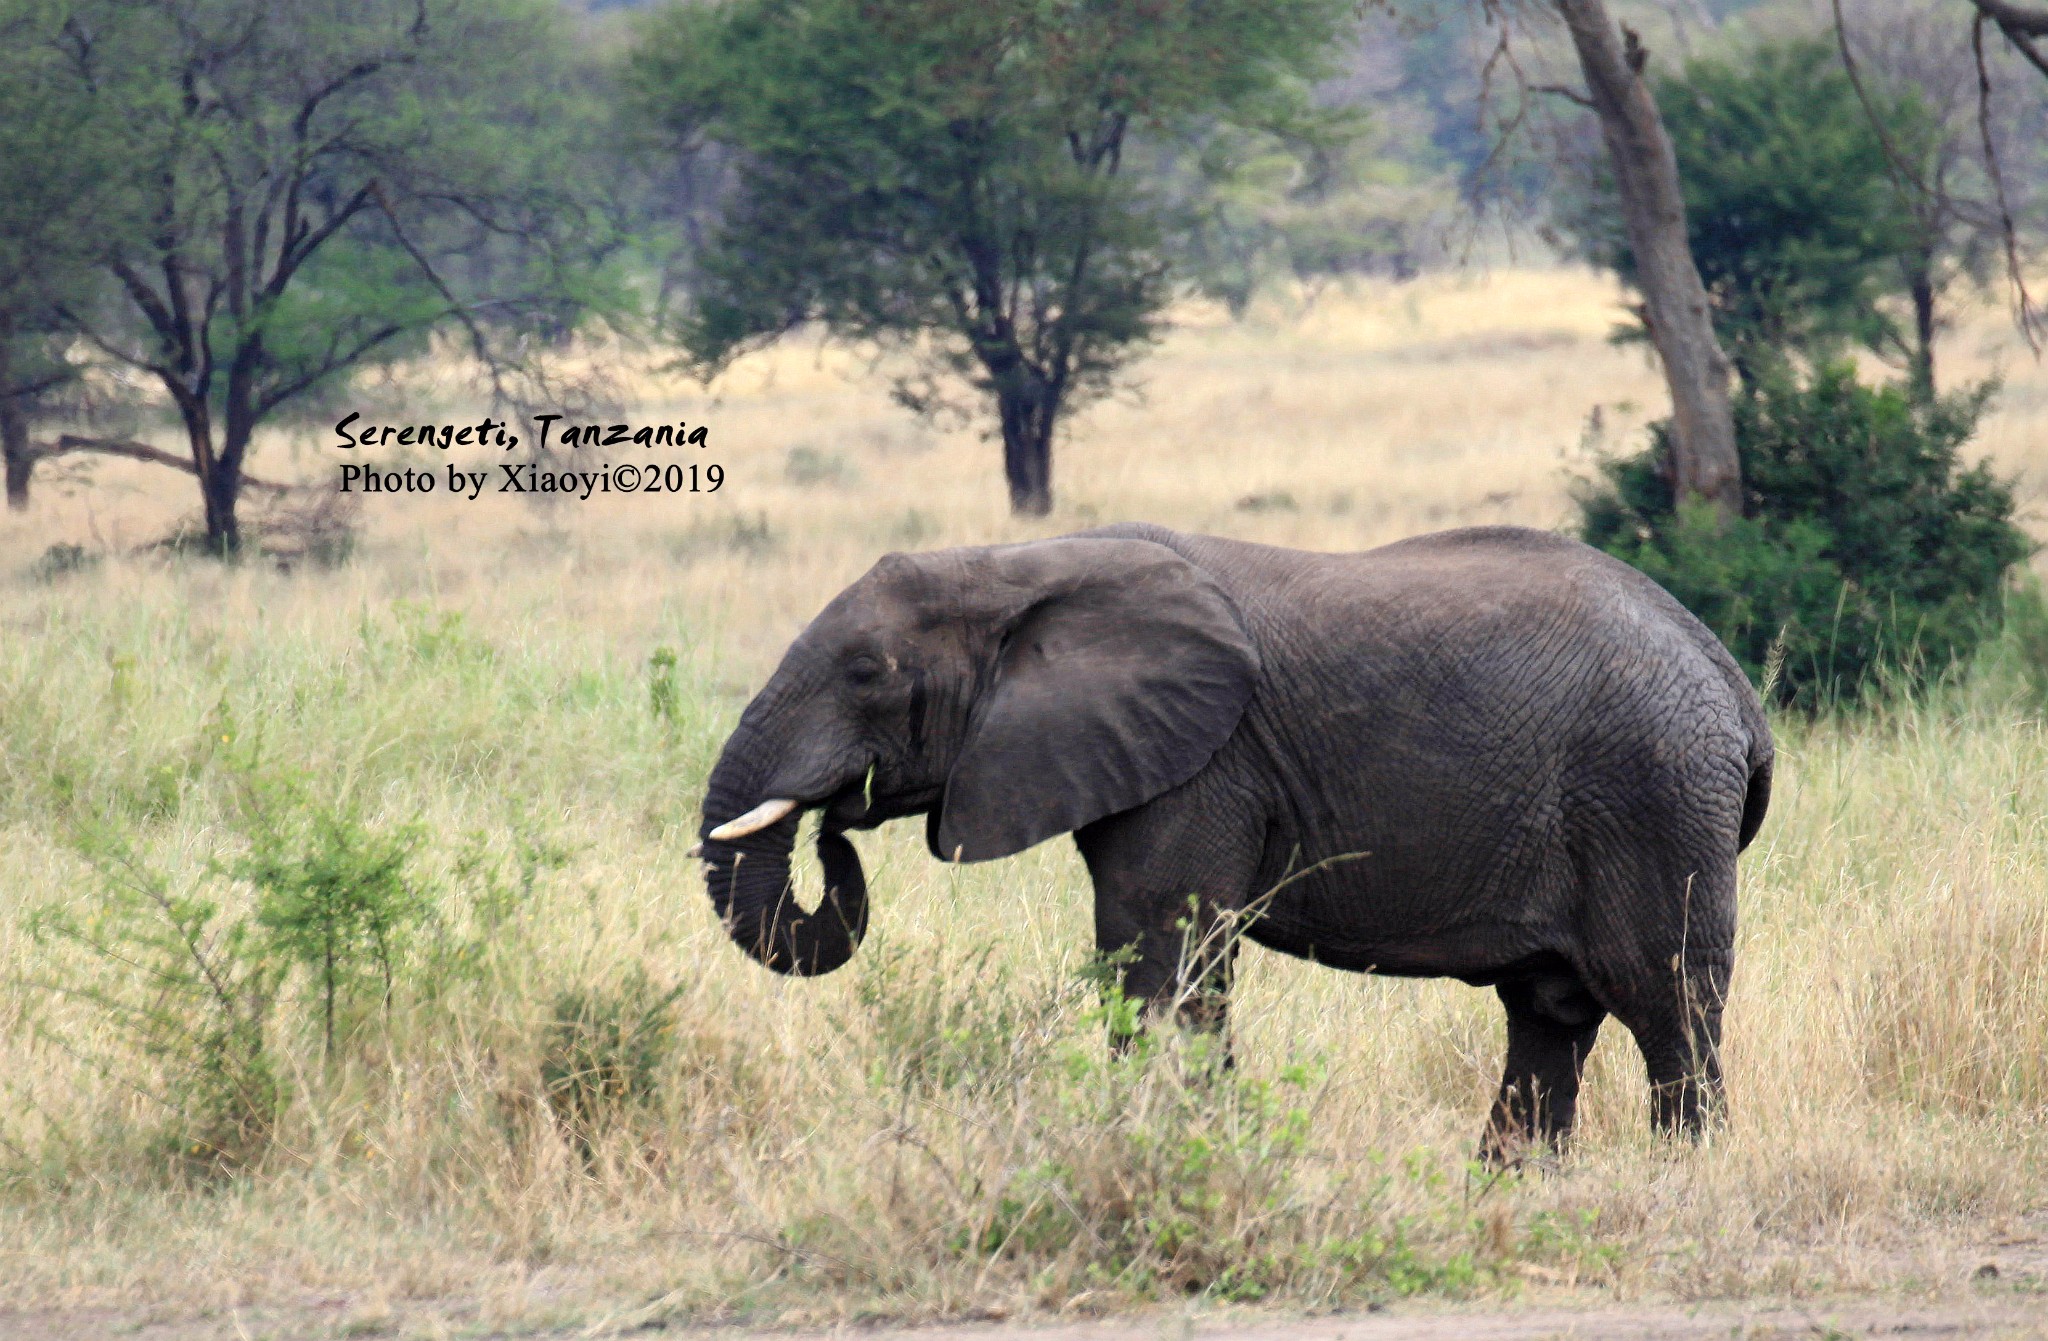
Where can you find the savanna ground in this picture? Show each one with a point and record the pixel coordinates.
(573, 1104)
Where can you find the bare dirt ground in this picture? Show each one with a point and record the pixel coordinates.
(1988, 1315)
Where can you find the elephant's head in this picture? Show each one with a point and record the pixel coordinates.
(1008, 694)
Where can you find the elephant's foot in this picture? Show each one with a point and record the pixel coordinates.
(1523, 1133)
(1516, 1153)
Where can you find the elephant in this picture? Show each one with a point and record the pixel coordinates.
(1492, 754)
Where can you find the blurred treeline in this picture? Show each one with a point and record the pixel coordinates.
(221, 215)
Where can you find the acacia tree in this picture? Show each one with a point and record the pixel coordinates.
(948, 176)
(2024, 25)
(321, 184)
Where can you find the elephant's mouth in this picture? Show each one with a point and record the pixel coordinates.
(862, 806)
(856, 806)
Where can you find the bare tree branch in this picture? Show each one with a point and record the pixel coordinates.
(294, 252)
(2026, 20)
(2029, 319)
(335, 361)
(151, 306)
(2025, 46)
(1902, 171)
(2020, 24)
(134, 451)
(1561, 91)
(477, 341)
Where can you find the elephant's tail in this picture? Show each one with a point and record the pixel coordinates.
(1758, 799)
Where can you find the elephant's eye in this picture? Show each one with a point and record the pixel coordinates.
(863, 671)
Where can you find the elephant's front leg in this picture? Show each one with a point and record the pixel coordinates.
(1172, 879)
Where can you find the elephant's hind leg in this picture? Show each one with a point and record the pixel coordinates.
(1680, 1037)
(1672, 999)
(1552, 1025)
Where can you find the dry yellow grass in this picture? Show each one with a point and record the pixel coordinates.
(1886, 1040)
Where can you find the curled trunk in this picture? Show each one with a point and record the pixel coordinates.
(751, 888)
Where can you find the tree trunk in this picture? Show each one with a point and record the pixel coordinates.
(223, 531)
(1703, 460)
(1028, 409)
(1920, 372)
(223, 484)
(220, 486)
(20, 456)
(14, 445)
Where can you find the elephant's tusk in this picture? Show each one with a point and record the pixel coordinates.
(696, 850)
(755, 820)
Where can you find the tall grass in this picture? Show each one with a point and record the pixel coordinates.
(581, 1101)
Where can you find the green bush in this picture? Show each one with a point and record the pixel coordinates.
(604, 1053)
(192, 984)
(1866, 557)
(932, 1034)
(334, 895)
(188, 992)
(662, 699)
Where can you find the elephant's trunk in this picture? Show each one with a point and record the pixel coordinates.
(750, 885)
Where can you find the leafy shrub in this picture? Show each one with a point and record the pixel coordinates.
(192, 978)
(1865, 556)
(189, 991)
(663, 700)
(334, 895)
(1174, 1182)
(61, 561)
(932, 1032)
(1158, 1174)
(604, 1052)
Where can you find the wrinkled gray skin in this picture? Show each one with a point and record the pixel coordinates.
(1490, 754)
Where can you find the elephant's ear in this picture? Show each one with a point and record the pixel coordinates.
(1124, 668)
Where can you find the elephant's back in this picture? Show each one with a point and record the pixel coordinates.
(1498, 580)
(1546, 601)
(1498, 614)
(1512, 580)
(1473, 640)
